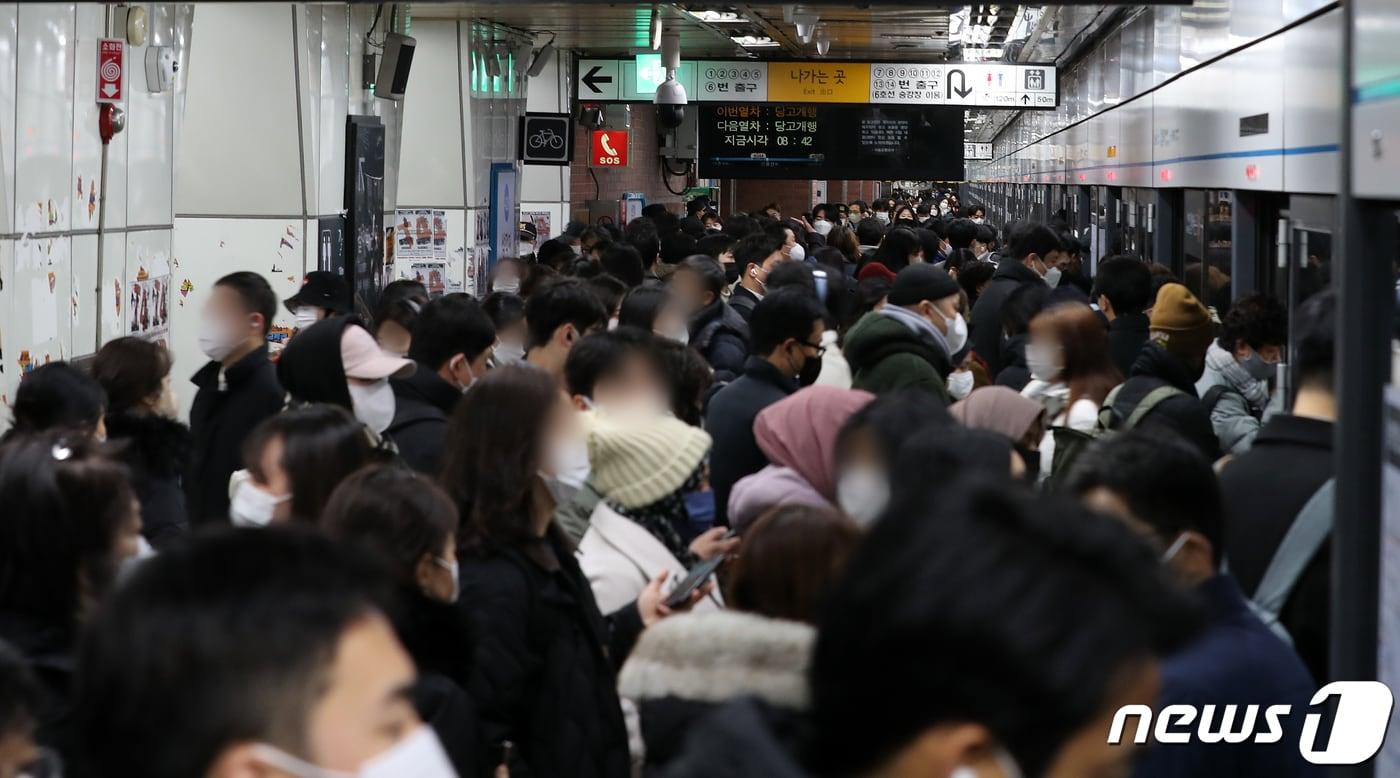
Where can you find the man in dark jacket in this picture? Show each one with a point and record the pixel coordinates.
(786, 329)
(1266, 487)
(1175, 357)
(452, 341)
(910, 341)
(1032, 250)
(237, 389)
(756, 255)
(1123, 290)
(1162, 488)
(716, 330)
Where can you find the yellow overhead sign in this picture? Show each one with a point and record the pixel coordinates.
(819, 82)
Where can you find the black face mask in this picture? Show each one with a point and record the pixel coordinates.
(809, 372)
(1032, 460)
(731, 272)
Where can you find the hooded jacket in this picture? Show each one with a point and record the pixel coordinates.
(1237, 413)
(886, 355)
(1185, 415)
(423, 402)
(721, 336)
(690, 665)
(986, 314)
(155, 449)
(311, 368)
(229, 404)
(770, 487)
(788, 437)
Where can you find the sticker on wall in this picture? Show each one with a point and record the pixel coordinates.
(53, 281)
(26, 365)
(117, 296)
(148, 307)
(92, 197)
(53, 214)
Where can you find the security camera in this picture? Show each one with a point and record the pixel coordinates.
(670, 102)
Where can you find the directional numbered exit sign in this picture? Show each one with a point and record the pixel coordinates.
(111, 65)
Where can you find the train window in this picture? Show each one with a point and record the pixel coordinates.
(1207, 247)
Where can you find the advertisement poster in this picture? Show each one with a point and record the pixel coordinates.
(431, 274)
(477, 261)
(541, 221)
(148, 308)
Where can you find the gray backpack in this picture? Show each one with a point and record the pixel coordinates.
(1309, 530)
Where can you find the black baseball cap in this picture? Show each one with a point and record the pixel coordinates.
(321, 289)
(921, 282)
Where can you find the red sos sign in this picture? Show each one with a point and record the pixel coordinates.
(609, 148)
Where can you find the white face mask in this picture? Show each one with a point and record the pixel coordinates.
(977, 220)
(374, 404)
(956, 334)
(419, 755)
(854, 219)
(821, 227)
(215, 338)
(612, 323)
(680, 335)
(1043, 362)
(509, 353)
(1052, 277)
(863, 493)
(252, 506)
(960, 384)
(797, 253)
(454, 569)
(507, 284)
(306, 315)
(577, 248)
(883, 216)
(567, 462)
(526, 247)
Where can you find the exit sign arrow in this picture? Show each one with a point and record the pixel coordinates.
(962, 89)
(591, 79)
(109, 89)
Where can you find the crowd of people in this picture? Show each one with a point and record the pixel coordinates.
(878, 489)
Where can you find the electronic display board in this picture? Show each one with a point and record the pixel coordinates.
(859, 142)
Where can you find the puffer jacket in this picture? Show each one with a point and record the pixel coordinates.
(690, 665)
(156, 449)
(885, 355)
(544, 670)
(1238, 413)
(721, 336)
(1183, 414)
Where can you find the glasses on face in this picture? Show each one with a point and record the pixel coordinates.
(821, 350)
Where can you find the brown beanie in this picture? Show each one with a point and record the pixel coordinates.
(1181, 324)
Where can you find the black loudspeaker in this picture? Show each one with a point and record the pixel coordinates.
(393, 67)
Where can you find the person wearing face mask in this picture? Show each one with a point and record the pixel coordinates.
(410, 523)
(643, 464)
(1032, 251)
(785, 353)
(322, 294)
(720, 247)
(868, 445)
(507, 312)
(527, 237)
(857, 212)
(959, 560)
(757, 255)
(1239, 365)
(293, 462)
(337, 362)
(713, 328)
(881, 211)
(453, 340)
(1071, 375)
(977, 214)
(1162, 489)
(70, 522)
(238, 388)
(557, 316)
(910, 341)
(543, 669)
(332, 694)
(998, 409)
(507, 276)
(141, 417)
(821, 220)
(802, 455)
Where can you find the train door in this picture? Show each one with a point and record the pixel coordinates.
(1135, 210)
(1303, 254)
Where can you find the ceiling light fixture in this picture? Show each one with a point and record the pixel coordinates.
(655, 27)
(754, 41)
(823, 41)
(717, 17)
(806, 26)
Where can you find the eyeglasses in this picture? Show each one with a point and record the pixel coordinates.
(821, 350)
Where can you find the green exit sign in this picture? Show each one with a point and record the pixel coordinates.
(645, 73)
(650, 73)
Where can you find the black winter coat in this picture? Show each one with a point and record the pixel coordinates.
(223, 414)
(721, 336)
(1264, 489)
(743, 302)
(986, 314)
(1015, 372)
(155, 449)
(1185, 416)
(423, 403)
(745, 738)
(439, 638)
(1126, 336)
(729, 420)
(545, 665)
(49, 650)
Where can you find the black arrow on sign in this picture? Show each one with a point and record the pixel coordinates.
(962, 90)
(1025, 99)
(591, 79)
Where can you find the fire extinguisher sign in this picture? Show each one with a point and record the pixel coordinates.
(111, 66)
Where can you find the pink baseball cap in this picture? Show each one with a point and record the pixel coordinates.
(365, 360)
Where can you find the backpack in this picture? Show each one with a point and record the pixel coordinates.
(1309, 530)
(1070, 443)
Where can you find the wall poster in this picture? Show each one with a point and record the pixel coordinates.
(148, 308)
(364, 205)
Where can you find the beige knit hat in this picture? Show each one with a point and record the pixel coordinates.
(638, 459)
